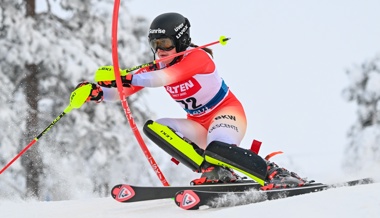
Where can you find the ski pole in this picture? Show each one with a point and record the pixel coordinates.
(222, 40)
(124, 102)
(77, 99)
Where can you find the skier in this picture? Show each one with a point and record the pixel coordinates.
(207, 140)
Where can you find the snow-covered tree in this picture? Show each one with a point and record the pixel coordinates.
(46, 49)
(363, 149)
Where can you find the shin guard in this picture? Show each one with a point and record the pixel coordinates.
(242, 160)
(185, 152)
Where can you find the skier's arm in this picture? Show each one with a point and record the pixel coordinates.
(105, 77)
(195, 62)
(112, 94)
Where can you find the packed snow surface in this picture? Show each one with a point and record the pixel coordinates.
(358, 201)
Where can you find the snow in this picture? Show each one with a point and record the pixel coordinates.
(305, 56)
(358, 201)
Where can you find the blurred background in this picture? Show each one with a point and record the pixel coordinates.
(307, 73)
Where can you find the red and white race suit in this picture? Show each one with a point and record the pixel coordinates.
(213, 111)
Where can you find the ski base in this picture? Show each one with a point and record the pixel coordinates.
(194, 199)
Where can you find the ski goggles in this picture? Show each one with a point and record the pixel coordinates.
(165, 44)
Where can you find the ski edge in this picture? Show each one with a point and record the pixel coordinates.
(192, 199)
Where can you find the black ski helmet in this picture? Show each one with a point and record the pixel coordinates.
(174, 26)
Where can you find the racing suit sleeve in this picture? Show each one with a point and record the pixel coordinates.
(194, 62)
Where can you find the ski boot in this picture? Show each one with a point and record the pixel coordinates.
(278, 177)
(216, 174)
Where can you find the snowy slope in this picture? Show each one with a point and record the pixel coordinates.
(359, 201)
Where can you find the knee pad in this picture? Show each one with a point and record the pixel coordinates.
(185, 152)
(240, 159)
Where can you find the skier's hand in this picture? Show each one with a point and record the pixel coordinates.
(96, 92)
(105, 77)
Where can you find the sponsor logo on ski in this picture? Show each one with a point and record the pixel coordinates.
(188, 200)
(159, 30)
(124, 193)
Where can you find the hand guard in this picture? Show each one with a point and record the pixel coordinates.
(96, 93)
(105, 77)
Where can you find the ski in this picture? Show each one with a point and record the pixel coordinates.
(129, 193)
(194, 199)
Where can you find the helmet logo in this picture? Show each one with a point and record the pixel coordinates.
(181, 31)
(178, 27)
(159, 30)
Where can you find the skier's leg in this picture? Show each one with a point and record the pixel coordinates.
(171, 140)
(225, 133)
(192, 130)
(226, 125)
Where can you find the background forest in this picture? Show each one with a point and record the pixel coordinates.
(45, 54)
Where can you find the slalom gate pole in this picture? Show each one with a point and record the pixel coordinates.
(222, 40)
(124, 102)
(77, 99)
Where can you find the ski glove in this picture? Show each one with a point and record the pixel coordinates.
(96, 93)
(105, 77)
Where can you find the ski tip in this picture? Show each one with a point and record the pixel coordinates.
(122, 193)
(187, 200)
